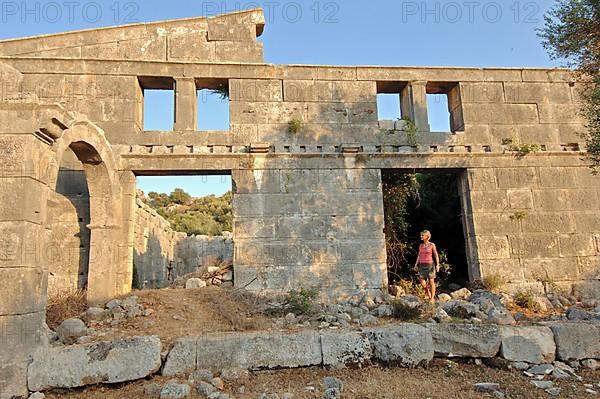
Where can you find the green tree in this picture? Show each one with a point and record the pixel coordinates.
(178, 196)
(571, 32)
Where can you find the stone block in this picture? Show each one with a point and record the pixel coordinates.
(500, 114)
(260, 181)
(527, 344)
(239, 52)
(223, 31)
(509, 269)
(577, 245)
(495, 224)
(345, 348)
(13, 379)
(559, 113)
(256, 90)
(182, 357)
(477, 92)
(28, 198)
(586, 222)
(267, 112)
(465, 340)
(328, 113)
(546, 93)
(493, 247)
(520, 199)
(29, 297)
(260, 350)
(565, 200)
(559, 178)
(405, 344)
(517, 177)
(482, 179)
(254, 227)
(547, 222)
(587, 289)
(146, 49)
(102, 51)
(103, 362)
(267, 204)
(576, 341)
(534, 245)
(493, 201)
(589, 267)
(551, 269)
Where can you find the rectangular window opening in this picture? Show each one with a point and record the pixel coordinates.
(213, 105)
(444, 107)
(158, 104)
(391, 101)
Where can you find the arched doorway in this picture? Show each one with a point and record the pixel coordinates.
(94, 217)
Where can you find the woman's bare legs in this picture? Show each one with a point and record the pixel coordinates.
(432, 284)
(425, 287)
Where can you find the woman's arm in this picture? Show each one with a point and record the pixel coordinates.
(435, 256)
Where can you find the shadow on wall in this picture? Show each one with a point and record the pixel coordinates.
(69, 217)
(195, 252)
(150, 268)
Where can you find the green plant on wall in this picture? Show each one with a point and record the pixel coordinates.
(295, 125)
(514, 145)
(411, 131)
(222, 91)
(519, 215)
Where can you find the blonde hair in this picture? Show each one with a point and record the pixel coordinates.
(427, 233)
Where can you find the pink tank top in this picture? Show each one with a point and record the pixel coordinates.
(426, 253)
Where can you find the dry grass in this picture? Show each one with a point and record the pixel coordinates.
(183, 313)
(65, 305)
(440, 380)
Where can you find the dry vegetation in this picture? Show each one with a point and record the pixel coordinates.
(442, 379)
(65, 305)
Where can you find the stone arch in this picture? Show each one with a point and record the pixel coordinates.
(90, 146)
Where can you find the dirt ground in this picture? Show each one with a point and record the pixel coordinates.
(180, 313)
(442, 379)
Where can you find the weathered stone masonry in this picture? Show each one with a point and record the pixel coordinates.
(307, 210)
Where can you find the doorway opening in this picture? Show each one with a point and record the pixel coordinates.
(183, 226)
(424, 200)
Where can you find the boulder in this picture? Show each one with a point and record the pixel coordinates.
(174, 390)
(194, 283)
(152, 390)
(478, 295)
(259, 350)
(405, 344)
(577, 314)
(344, 349)
(465, 340)
(444, 298)
(234, 374)
(97, 314)
(103, 362)
(181, 358)
(461, 309)
(527, 344)
(576, 341)
(501, 316)
(462, 293)
(70, 330)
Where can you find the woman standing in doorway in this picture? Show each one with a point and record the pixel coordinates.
(427, 264)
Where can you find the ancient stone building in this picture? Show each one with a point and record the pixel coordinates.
(305, 150)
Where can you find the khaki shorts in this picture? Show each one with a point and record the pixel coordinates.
(426, 271)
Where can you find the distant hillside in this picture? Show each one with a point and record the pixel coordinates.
(210, 215)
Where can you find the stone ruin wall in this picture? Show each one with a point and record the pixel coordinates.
(157, 244)
(307, 210)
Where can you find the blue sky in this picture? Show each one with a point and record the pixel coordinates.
(348, 32)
